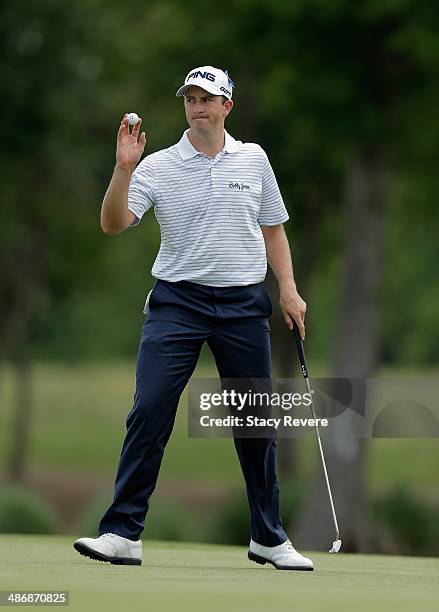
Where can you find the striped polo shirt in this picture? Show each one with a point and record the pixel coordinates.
(209, 210)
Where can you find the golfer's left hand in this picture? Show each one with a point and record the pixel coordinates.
(293, 309)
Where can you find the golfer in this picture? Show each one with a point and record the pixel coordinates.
(220, 213)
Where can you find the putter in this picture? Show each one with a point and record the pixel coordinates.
(337, 542)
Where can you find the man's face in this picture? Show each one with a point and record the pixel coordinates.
(205, 110)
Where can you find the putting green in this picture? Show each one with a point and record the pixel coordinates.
(181, 576)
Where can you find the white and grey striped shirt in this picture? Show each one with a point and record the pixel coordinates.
(209, 210)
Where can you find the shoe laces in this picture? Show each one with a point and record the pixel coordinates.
(108, 535)
(290, 546)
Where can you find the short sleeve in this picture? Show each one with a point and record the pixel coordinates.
(141, 192)
(272, 210)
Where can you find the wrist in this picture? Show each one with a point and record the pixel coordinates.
(124, 168)
(287, 285)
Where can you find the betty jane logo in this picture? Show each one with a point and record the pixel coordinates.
(238, 186)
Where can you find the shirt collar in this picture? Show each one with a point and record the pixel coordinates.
(187, 150)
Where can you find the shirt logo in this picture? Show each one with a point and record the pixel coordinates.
(238, 186)
(203, 75)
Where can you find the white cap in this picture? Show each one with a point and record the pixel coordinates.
(213, 80)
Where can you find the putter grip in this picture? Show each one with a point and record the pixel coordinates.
(300, 350)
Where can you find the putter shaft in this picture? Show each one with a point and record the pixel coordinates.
(301, 353)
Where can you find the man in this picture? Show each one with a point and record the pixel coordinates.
(220, 214)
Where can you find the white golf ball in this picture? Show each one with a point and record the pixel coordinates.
(133, 118)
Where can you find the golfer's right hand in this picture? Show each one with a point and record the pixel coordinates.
(129, 146)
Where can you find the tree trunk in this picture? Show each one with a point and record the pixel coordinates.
(19, 449)
(355, 355)
(20, 298)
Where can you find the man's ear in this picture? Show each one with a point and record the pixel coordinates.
(228, 105)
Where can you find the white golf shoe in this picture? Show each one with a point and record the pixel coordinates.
(283, 557)
(111, 548)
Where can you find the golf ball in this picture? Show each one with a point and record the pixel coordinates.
(133, 118)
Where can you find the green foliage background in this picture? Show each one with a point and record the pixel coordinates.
(314, 81)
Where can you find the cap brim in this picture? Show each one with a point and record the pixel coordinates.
(182, 90)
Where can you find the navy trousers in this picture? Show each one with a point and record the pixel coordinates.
(182, 316)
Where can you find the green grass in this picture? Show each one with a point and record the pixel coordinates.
(217, 578)
(93, 399)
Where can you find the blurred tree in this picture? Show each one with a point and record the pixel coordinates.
(298, 101)
(368, 74)
(49, 235)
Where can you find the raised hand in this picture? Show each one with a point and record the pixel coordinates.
(129, 146)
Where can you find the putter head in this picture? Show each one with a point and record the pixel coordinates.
(335, 546)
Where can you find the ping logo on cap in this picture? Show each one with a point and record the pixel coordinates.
(213, 80)
(204, 75)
